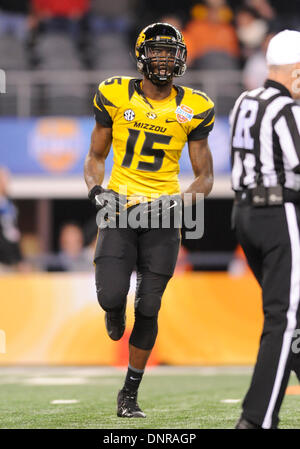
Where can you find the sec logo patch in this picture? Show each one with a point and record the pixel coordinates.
(184, 114)
(129, 115)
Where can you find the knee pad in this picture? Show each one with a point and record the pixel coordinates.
(112, 298)
(149, 304)
(150, 289)
(144, 331)
(111, 292)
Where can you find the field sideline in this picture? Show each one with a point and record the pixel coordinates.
(172, 397)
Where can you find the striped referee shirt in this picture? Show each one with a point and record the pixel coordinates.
(265, 138)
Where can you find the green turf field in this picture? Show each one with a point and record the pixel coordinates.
(171, 398)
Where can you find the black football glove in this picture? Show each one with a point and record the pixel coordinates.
(112, 201)
(96, 191)
(163, 206)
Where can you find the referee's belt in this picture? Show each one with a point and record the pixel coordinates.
(262, 196)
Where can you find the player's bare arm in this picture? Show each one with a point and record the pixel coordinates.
(202, 164)
(94, 166)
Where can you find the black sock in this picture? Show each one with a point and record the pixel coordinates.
(133, 379)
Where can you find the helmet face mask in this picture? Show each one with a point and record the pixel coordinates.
(161, 53)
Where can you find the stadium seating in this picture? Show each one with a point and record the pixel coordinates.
(111, 52)
(215, 61)
(66, 100)
(57, 51)
(13, 53)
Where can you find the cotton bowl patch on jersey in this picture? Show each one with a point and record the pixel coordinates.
(129, 115)
(184, 114)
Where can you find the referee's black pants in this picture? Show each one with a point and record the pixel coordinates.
(270, 239)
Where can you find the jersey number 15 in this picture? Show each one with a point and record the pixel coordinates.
(147, 150)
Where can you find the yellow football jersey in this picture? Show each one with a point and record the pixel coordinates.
(148, 136)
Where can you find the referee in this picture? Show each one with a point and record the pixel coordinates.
(265, 155)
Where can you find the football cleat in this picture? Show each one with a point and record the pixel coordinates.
(128, 406)
(115, 324)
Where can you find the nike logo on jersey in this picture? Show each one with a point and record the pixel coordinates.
(170, 120)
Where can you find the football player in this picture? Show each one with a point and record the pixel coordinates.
(147, 121)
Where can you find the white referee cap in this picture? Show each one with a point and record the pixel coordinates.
(284, 48)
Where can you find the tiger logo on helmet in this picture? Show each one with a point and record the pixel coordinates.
(161, 52)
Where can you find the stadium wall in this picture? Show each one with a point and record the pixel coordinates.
(57, 146)
(54, 318)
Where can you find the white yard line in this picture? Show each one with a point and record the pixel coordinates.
(56, 381)
(99, 371)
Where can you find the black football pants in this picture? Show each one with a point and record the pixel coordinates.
(154, 253)
(271, 242)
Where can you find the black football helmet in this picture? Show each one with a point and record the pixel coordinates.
(160, 52)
